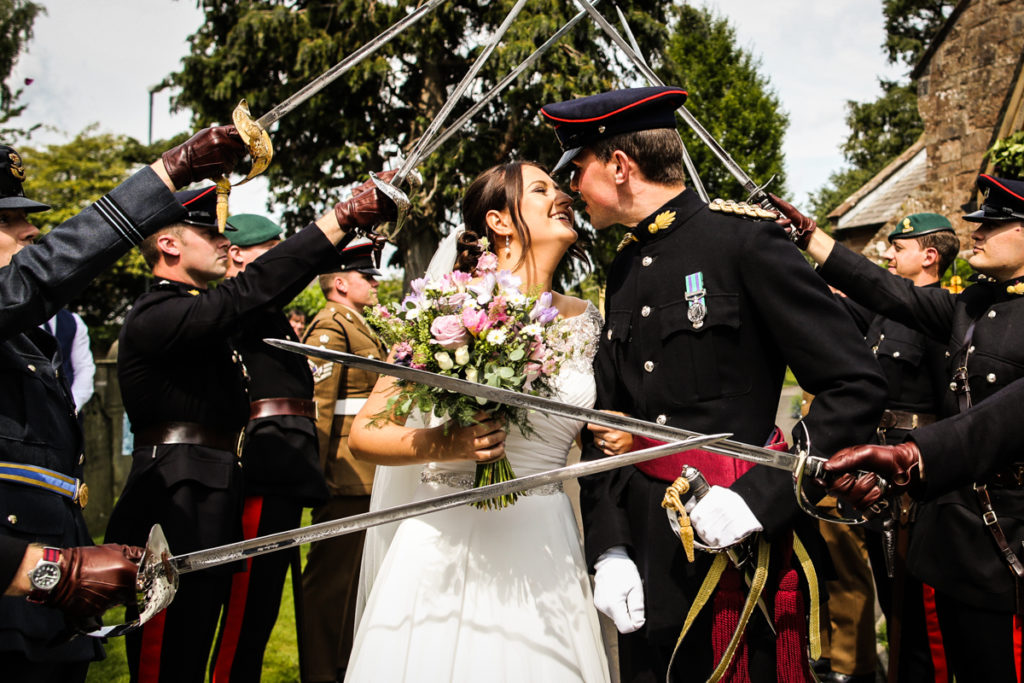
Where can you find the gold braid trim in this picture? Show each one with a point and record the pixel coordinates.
(673, 501)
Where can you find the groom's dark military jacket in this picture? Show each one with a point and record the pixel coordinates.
(661, 358)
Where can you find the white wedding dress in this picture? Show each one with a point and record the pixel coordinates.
(491, 595)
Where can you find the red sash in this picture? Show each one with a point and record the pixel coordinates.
(718, 470)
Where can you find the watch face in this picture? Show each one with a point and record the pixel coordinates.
(45, 575)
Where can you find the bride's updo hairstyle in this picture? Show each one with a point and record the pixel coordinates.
(496, 189)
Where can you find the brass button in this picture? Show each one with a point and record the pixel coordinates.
(13, 519)
(991, 314)
(895, 354)
(646, 261)
(649, 366)
(609, 335)
(645, 311)
(991, 377)
(971, 349)
(661, 419)
(952, 386)
(31, 368)
(947, 354)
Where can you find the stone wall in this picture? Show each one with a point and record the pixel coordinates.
(964, 92)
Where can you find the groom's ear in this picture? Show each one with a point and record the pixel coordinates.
(499, 222)
(621, 166)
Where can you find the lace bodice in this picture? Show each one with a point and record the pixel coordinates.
(546, 448)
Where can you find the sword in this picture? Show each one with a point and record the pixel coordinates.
(756, 191)
(801, 464)
(157, 578)
(254, 132)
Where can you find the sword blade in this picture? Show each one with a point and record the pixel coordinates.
(733, 449)
(212, 557)
(737, 172)
(332, 74)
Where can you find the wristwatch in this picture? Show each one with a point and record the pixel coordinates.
(45, 575)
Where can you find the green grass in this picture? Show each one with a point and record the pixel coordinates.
(280, 662)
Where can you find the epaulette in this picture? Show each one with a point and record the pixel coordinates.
(742, 209)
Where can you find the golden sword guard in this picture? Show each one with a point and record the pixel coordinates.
(257, 140)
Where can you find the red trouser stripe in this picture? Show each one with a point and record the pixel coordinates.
(931, 622)
(150, 649)
(1017, 644)
(239, 592)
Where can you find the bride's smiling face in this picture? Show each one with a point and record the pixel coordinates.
(546, 211)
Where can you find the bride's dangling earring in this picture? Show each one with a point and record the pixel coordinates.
(508, 249)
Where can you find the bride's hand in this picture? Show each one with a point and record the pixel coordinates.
(482, 442)
(611, 441)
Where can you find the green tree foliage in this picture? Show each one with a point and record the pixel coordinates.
(264, 51)
(1007, 155)
(71, 176)
(910, 26)
(16, 20)
(883, 128)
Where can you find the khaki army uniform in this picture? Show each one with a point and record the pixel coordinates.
(332, 568)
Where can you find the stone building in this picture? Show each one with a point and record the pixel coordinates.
(970, 94)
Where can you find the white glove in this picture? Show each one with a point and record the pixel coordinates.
(722, 518)
(618, 591)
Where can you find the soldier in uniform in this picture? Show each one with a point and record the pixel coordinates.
(184, 392)
(964, 543)
(41, 487)
(704, 311)
(921, 247)
(281, 471)
(330, 580)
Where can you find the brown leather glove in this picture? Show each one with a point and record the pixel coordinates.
(95, 578)
(799, 226)
(367, 207)
(899, 464)
(210, 153)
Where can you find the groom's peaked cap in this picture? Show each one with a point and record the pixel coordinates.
(583, 121)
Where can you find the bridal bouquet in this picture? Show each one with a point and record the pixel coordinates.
(480, 328)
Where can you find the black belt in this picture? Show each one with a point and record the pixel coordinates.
(271, 407)
(903, 419)
(189, 433)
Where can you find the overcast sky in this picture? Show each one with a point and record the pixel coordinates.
(94, 62)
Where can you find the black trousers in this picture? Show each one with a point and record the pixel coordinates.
(16, 668)
(979, 643)
(255, 598)
(920, 659)
(174, 646)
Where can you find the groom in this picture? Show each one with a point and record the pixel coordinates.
(704, 312)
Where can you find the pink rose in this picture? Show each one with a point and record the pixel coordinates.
(449, 332)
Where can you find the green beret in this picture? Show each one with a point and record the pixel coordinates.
(917, 224)
(252, 229)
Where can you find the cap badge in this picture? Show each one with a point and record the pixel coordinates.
(627, 239)
(661, 221)
(695, 298)
(17, 170)
(600, 129)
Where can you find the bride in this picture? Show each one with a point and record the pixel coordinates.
(468, 594)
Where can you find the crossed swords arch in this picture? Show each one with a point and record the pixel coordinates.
(256, 136)
(157, 578)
